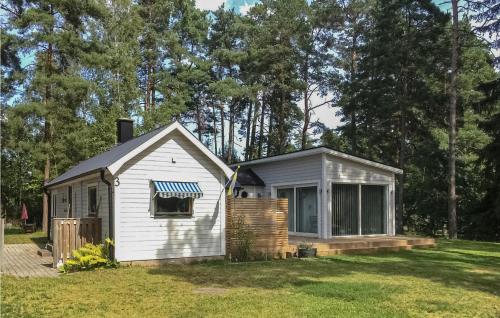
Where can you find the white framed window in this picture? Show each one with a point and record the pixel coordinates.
(54, 203)
(92, 206)
(172, 206)
(173, 198)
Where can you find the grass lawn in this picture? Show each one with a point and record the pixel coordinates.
(456, 279)
(17, 236)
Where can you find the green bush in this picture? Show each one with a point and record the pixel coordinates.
(90, 257)
(243, 239)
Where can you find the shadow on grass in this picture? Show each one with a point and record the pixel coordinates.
(13, 231)
(456, 264)
(39, 241)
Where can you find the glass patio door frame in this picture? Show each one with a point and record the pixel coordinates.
(296, 186)
(359, 184)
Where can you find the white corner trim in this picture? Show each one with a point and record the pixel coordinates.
(115, 167)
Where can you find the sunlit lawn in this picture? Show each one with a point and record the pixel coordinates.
(459, 279)
(17, 236)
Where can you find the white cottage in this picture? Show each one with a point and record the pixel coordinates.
(166, 191)
(330, 193)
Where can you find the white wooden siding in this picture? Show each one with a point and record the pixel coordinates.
(139, 236)
(345, 170)
(288, 172)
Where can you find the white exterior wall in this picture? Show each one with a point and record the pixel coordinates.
(339, 170)
(293, 171)
(139, 235)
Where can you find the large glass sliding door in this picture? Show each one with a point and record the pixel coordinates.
(307, 210)
(302, 208)
(345, 209)
(373, 209)
(358, 209)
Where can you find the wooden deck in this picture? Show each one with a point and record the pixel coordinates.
(22, 260)
(361, 245)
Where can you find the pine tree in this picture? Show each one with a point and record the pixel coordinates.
(52, 33)
(452, 197)
(391, 91)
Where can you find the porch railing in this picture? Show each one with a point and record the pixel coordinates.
(70, 234)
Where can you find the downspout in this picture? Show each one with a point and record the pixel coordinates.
(49, 217)
(111, 215)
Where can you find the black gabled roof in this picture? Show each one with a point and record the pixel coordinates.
(246, 176)
(105, 159)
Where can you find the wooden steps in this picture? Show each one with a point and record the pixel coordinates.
(44, 252)
(362, 245)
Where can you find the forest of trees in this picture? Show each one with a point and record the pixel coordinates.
(248, 86)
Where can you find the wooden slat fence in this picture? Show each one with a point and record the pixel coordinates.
(266, 218)
(70, 234)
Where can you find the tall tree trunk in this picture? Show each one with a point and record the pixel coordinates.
(307, 114)
(215, 128)
(254, 130)
(452, 197)
(45, 214)
(230, 144)
(281, 127)
(306, 121)
(47, 137)
(261, 128)
(198, 120)
(401, 177)
(153, 79)
(222, 130)
(249, 125)
(147, 98)
(354, 146)
(270, 131)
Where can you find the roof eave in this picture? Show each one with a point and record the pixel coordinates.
(68, 180)
(320, 150)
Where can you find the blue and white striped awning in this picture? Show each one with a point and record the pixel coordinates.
(168, 189)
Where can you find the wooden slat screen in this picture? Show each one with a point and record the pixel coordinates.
(267, 219)
(70, 234)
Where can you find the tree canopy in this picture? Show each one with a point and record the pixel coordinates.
(251, 86)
